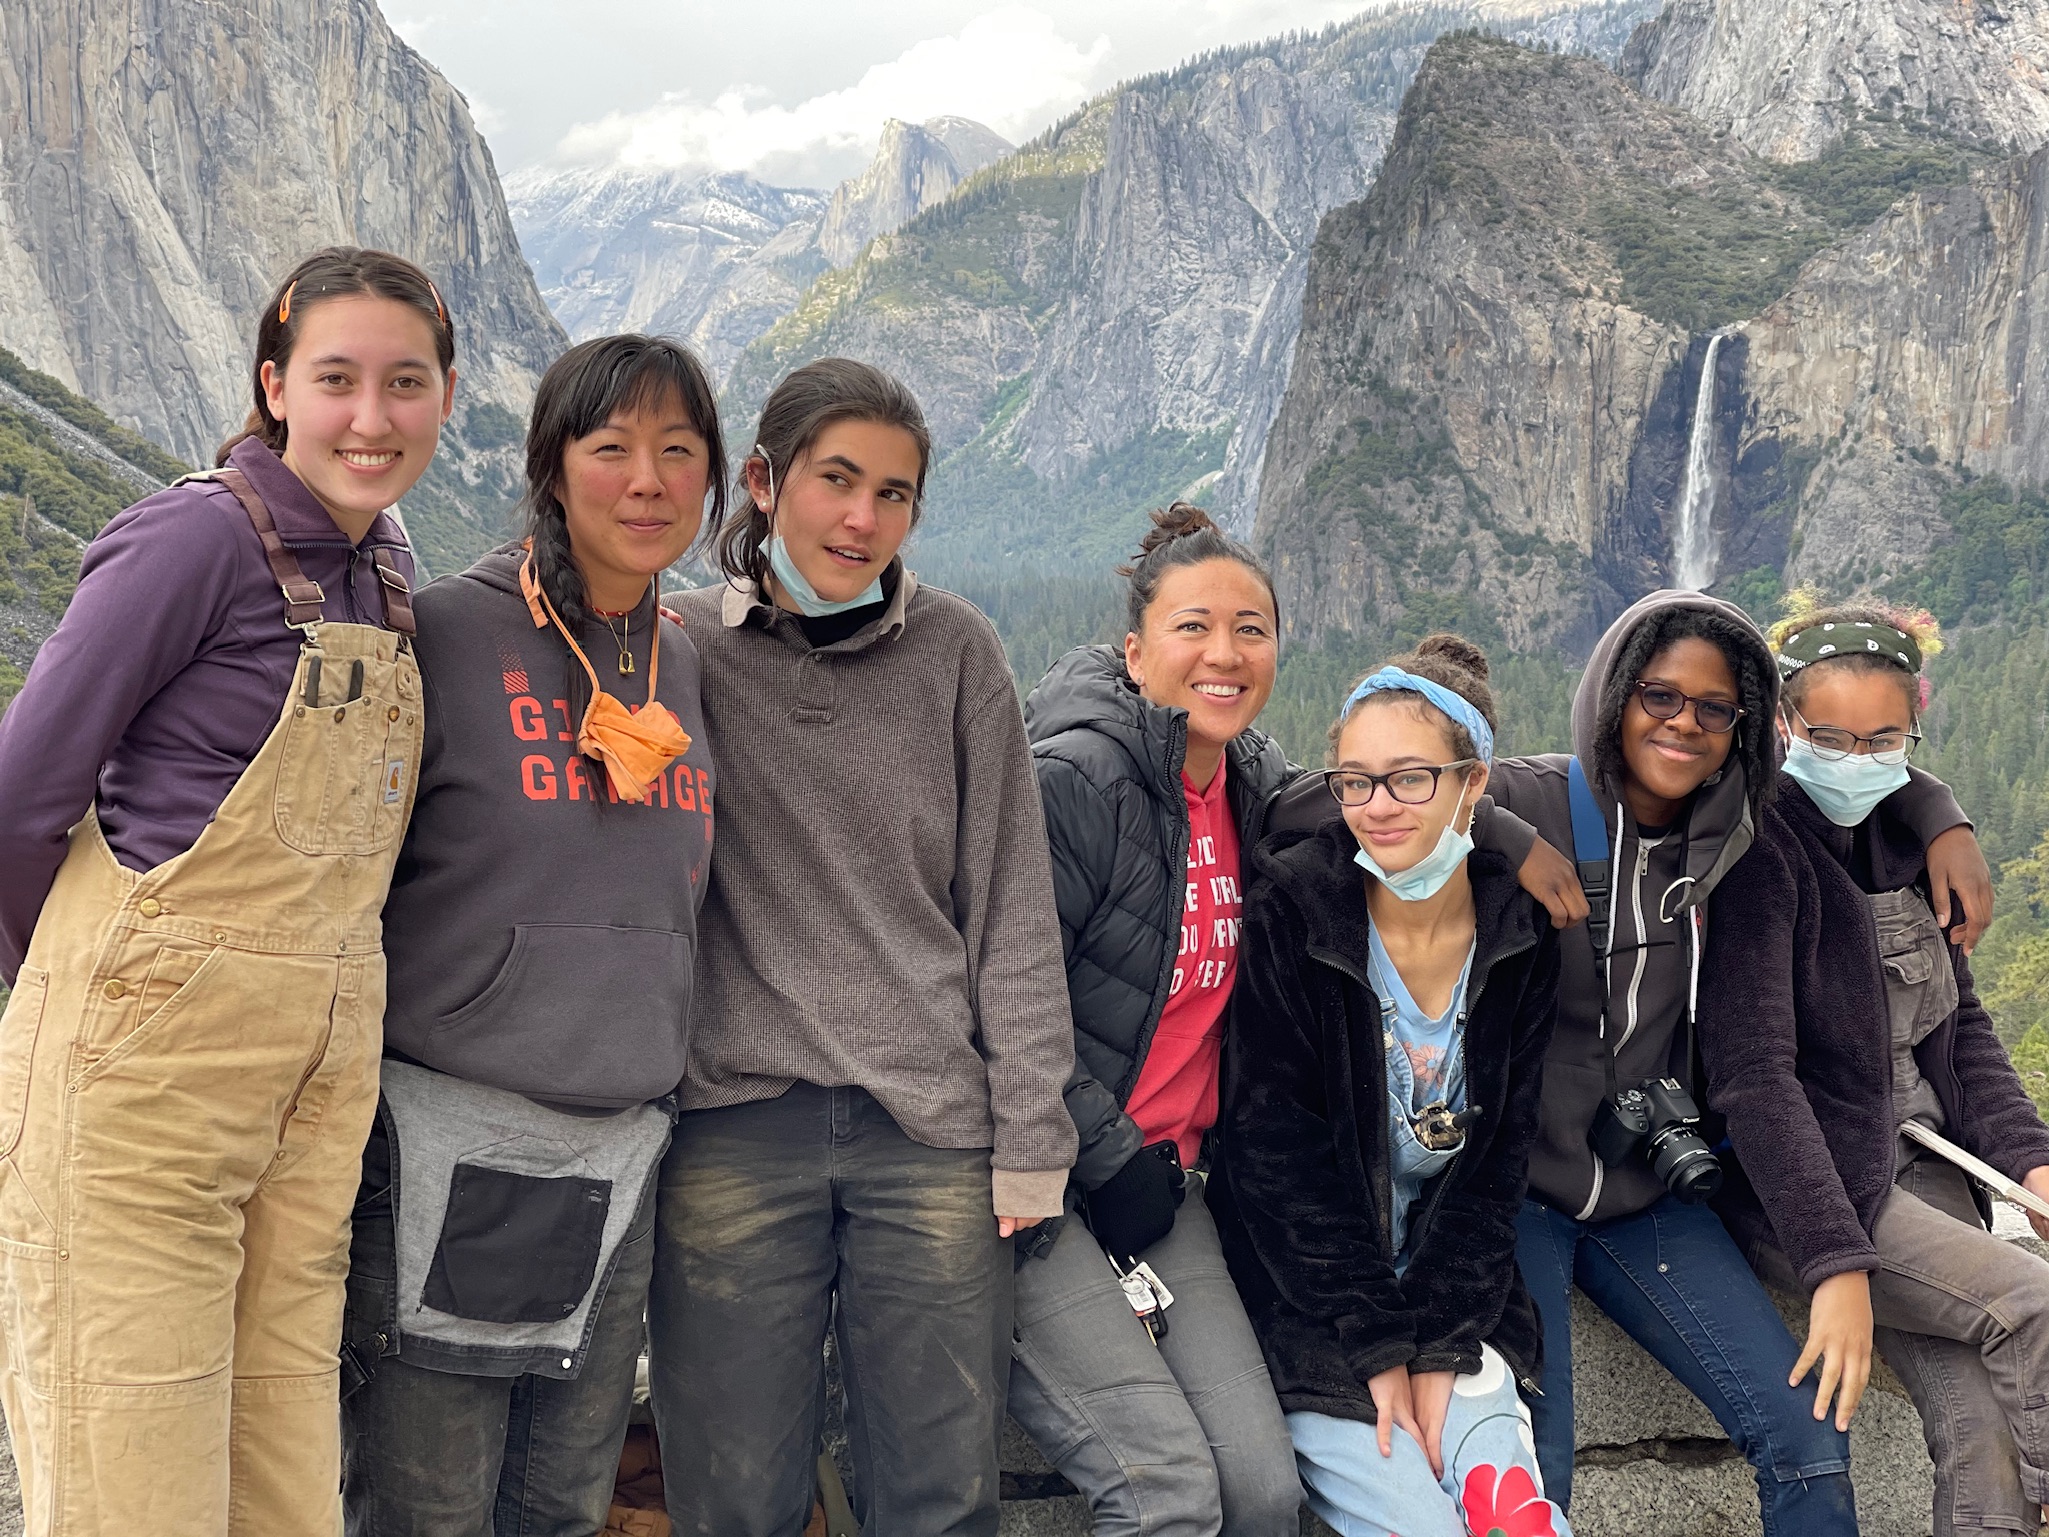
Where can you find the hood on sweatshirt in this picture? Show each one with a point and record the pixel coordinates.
(1722, 823)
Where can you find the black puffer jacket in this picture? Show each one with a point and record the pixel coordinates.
(1109, 763)
(1302, 1186)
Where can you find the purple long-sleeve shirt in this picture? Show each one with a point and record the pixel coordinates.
(165, 677)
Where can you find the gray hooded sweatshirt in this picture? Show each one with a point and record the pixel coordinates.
(1660, 881)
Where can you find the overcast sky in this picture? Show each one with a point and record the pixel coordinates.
(797, 90)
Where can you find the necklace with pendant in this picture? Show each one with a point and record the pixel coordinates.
(620, 635)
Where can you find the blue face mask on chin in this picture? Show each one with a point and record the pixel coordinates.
(803, 594)
(792, 581)
(1847, 790)
(1427, 876)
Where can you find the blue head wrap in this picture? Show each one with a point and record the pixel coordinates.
(1393, 679)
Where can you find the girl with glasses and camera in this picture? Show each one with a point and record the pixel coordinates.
(1851, 1018)
(1397, 994)
(873, 1104)
(1674, 763)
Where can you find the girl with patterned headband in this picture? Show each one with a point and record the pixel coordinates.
(1829, 951)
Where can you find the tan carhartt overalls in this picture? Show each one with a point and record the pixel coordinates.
(188, 1069)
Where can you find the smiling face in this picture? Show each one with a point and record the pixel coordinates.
(633, 496)
(1395, 731)
(1670, 759)
(1209, 646)
(364, 399)
(844, 507)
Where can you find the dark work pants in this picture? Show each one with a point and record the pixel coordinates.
(437, 1454)
(769, 1211)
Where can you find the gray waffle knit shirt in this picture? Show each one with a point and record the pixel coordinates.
(881, 904)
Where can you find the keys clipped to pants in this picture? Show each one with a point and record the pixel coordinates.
(1148, 1296)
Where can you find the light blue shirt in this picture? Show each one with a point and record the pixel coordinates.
(1426, 1065)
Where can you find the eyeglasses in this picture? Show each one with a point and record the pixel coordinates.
(1832, 743)
(1409, 786)
(1660, 701)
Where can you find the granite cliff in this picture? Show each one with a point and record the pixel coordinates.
(1494, 398)
(1106, 317)
(714, 259)
(162, 162)
(1789, 77)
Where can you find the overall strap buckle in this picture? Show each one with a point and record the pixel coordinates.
(305, 602)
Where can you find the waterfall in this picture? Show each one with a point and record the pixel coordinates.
(1693, 552)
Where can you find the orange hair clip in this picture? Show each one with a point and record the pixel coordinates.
(440, 309)
(284, 305)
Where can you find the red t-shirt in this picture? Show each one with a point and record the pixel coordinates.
(1175, 1097)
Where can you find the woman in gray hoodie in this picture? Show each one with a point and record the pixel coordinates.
(542, 934)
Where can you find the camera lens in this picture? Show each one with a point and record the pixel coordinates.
(1686, 1164)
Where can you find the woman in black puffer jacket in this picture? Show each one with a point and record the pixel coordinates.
(1152, 781)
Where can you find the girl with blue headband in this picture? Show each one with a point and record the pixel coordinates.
(1381, 1094)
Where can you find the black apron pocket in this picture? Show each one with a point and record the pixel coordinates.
(517, 1248)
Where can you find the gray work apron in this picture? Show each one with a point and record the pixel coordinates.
(508, 1219)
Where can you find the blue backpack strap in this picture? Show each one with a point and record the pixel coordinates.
(1590, 852)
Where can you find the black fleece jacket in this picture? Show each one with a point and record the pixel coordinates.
(1302, 1188)
(1796, 1038)
(1109, 765)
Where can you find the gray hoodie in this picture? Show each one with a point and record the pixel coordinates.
(541, 936)
(1660, 882)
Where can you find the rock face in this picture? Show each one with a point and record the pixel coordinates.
(1788, 76)
(1483, 362)
(1109, 314)
(161, 163)
(713, 259)
(1917, 349)
(916, 165)
(717, 259)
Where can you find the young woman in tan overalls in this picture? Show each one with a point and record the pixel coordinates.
(207, 775)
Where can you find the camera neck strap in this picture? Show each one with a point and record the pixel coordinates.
(1595, 855)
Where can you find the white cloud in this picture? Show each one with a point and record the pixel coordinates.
(1010, 68)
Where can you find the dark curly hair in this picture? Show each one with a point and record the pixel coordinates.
(1446, 659)
(1757, 691)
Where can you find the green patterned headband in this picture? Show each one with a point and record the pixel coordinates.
(1819, 642)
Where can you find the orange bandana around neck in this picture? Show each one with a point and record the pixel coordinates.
(635, 746)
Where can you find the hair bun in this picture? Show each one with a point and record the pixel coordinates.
(1175, 522)
(1455, 650)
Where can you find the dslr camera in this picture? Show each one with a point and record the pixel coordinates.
(1659, 1122)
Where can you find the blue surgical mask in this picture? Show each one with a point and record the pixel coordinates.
(1847, 790)
(1426, 877)
(792, 581)
(803, 594)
